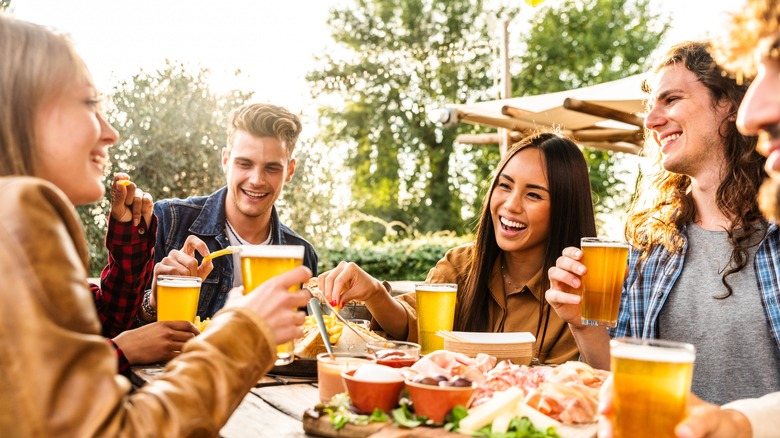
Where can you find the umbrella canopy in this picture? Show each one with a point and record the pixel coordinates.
(606, 116)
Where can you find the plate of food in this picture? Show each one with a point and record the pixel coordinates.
(311, 344)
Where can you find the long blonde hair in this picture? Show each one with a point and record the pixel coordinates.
(36, 66)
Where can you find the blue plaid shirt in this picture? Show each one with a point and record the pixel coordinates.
(644, 296)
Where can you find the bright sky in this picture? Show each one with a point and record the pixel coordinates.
(271, 42)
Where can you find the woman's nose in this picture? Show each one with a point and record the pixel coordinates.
(108, 135)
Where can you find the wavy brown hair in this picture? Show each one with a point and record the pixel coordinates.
(756, 21)
(571, 218)
(657, 215)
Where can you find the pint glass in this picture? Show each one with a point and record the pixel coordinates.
(602, 284)
(652, 382)
(435, 311)
(262, 262)
(177, 297)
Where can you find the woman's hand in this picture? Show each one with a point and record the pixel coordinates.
(565, 282)
(347, 282)
(155, 342)
(128, 202)
(276, 305)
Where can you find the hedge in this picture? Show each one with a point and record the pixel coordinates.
(408, 259)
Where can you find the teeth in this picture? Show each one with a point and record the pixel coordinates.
(512, 224)
(253, 195)
(669, 138)
(103, 161)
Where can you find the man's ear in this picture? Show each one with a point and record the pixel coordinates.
(290, 170)
(225, 159)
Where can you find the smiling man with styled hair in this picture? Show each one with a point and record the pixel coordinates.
(257, 162)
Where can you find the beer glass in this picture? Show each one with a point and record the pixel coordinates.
(652, 382)
(262, 262)
(435, 311)
(602, 283)
(177, 297)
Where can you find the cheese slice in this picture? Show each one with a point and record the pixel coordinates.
(503, 402)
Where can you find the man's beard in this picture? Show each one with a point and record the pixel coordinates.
(769, 199)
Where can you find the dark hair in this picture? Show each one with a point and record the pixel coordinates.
(571, 218)
(658, 214)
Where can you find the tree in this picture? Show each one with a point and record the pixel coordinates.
(397, 60)
(577, 43)
(5, 5)
(171, 129)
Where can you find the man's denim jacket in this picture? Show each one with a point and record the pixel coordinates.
(204, 217)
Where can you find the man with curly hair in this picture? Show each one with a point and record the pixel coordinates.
(704, 266)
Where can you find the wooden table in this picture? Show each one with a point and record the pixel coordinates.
(273, 408)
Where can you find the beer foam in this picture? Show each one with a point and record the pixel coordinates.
(604, 243)
(275, 251)
(436, 287)
(650, 353)
(179, 282)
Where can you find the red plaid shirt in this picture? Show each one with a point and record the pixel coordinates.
(124, 279)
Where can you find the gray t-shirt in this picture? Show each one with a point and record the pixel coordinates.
(736, 356)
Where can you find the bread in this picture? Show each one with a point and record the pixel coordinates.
(311, 344)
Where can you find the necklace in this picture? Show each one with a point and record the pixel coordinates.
(507, 279)
(233, 232)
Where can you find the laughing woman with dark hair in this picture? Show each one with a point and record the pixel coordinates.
(539, 203)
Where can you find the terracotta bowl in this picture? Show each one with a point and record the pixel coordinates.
(435, 402)
(367, 396)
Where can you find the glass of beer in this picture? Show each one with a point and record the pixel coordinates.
(435, 311)
(652, 382)
(177, 297)
(262, 262)
(602, 283)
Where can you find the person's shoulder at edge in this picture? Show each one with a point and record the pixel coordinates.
(16, 191)
(452, 268)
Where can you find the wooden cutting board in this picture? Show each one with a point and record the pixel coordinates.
(322, 427)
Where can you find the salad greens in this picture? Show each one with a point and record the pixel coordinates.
(519, 428)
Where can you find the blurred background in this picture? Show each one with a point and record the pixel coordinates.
(377, 181)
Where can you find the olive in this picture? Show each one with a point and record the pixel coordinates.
(426, 380)
(440, 378)
(460, 382)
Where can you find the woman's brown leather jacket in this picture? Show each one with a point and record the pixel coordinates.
(58, 376)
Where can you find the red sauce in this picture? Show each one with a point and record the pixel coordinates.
(394, 358)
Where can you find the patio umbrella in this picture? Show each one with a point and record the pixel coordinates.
(607, 116)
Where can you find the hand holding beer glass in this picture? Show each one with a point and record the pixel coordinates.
(262, 262)
(435, 311)
(652, 380)
(177, 297)
(603, 282)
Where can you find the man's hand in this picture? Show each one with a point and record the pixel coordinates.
(182, 262)
(156, 342)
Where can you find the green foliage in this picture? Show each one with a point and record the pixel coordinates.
(576, 43)
(397, 60)
(405, 259)
(5, 5)
(171, 129)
